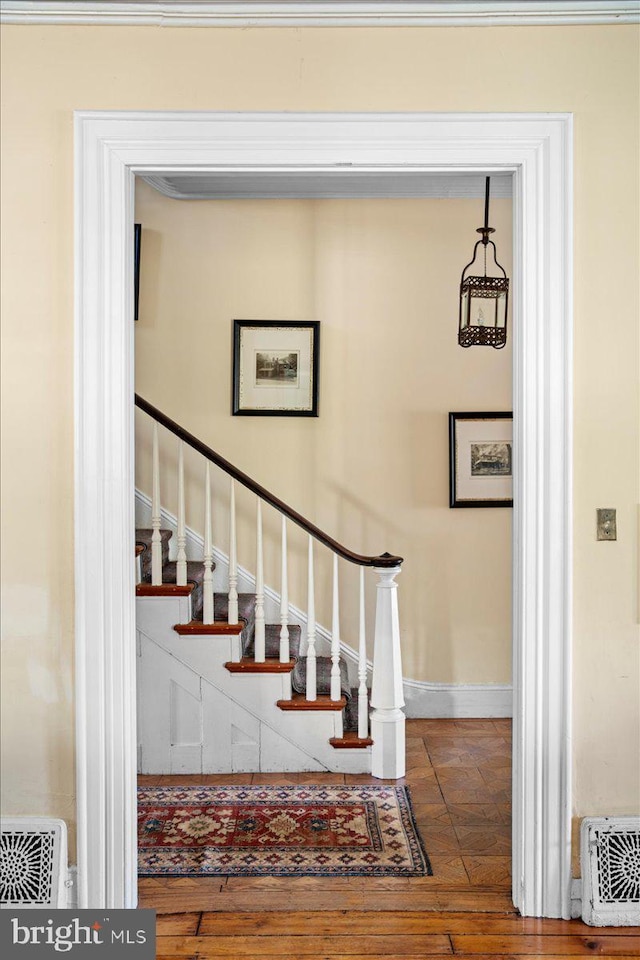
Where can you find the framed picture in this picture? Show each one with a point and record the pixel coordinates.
(480, 459)
(275, 368)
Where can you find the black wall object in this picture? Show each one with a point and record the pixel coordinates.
(137, 238)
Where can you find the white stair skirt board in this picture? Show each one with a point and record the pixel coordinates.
(111, 148)
(194, 716)
(422, 698)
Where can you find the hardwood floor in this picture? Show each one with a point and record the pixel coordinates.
(459, 775)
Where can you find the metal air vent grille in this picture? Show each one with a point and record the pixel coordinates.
(33, 856)
(610, 857)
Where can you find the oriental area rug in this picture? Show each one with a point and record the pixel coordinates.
(278, 831)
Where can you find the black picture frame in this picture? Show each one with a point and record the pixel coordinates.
(481, 459)
(137, 243)
(276, 365)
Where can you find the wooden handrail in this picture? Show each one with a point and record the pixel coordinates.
(384, 560)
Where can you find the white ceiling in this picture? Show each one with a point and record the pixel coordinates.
(341, 184)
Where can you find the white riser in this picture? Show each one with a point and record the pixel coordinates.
(194, 716)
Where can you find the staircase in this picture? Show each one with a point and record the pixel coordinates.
(222, 690)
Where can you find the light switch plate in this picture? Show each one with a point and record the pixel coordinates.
(606, 526)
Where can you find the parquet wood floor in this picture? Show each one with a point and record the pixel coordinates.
(459, 774)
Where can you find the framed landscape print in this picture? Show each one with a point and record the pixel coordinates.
(275, 368)
(480, 459)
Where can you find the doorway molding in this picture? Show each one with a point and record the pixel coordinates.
(110, 149)
(311, 13)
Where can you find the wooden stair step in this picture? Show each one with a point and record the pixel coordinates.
(270, 665)
(350, 741)
(144, 536)
(323, 677)
(246, 613)
(299, 702)
(198, 628)
(246, 605)
(195, 571)
(195, 575)
(163, 590)
(272, 639)
(351, 712)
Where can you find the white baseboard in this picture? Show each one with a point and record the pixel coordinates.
(72, 888)
(457, 700)
(422, 698)
(576, 898)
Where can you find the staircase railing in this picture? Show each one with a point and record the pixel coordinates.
(387, 718)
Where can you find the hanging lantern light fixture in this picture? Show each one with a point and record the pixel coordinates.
(483, 299)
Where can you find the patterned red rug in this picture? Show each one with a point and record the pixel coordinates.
(290, 831)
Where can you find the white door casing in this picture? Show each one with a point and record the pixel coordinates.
(111, 147)
(311, 13)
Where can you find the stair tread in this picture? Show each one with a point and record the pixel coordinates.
(351, 711)
(323, 677)
(144, 536)
(323, 702)
(195, 571)
(269, 665)
(350, 740)
(195, 577)
(163, 590)
(272, 640)
(218, 628)
(246, 613)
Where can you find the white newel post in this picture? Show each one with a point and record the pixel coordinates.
(387, 718)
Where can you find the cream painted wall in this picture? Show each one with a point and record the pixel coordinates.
(382, 277)
(47, 72)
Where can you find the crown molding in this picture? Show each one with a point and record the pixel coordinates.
(335, 185)
(330, 13)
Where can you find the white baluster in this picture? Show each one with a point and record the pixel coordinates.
(284, 598)
(232, 616)
(336, 692)
(156, 539)
(363, 705)
(181, 565)
(387, 719)
(311, 688)
(207, 600)
(259, 655)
